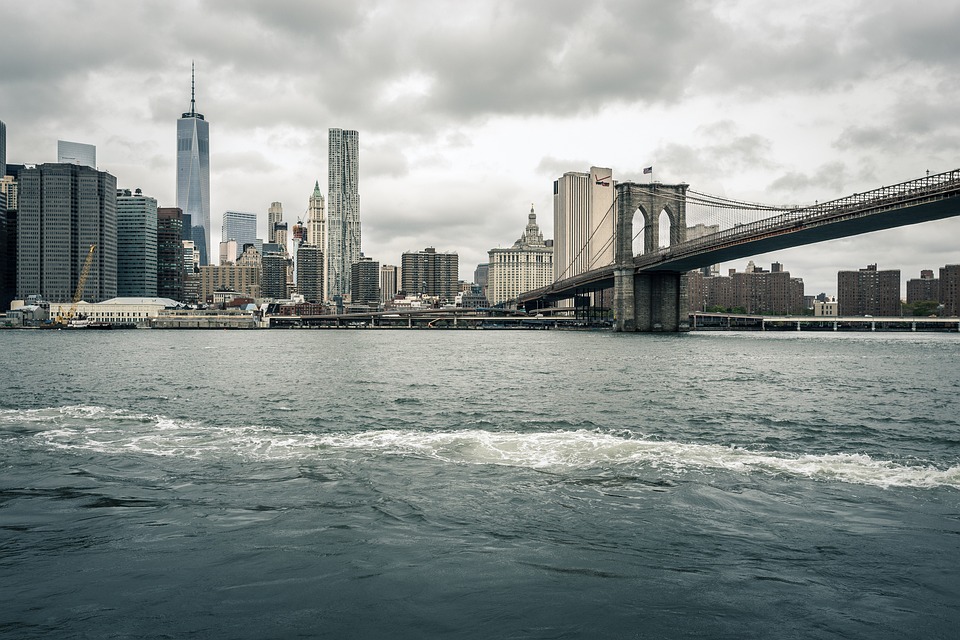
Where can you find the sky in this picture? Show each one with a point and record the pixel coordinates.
(469, 110)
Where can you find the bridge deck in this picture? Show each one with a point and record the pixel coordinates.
(931, 198)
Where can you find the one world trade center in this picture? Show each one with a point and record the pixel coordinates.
(193, 175)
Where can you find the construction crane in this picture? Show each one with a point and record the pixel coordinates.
(84, 272)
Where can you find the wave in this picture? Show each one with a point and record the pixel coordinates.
(121, 432)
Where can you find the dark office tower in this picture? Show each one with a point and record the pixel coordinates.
(310, 272)
(193, 174)
(170, 253)
(273, 283)
(869, 292)
(430, 273)
(64, 210)
(3, 149)
(5, 294)
(136, 244)
(365, 281)
(343, 211)
(9, 188)
(950, 289)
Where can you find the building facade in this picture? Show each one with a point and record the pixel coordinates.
(754, 291)
(64, 210)
(525, 266)
(926, 288)
(136, 245)
(193, 174)
(869, 292)
(950, 289)
(170, 253)
(310, 272)
(274, 216)
(239, 226)
(343, 212)
(3, 149)
(388, 282)
(430, 273)
(274, 279)
(243, 279)
(79, 153)
(583, 222)
(316, 223)
(365, 281)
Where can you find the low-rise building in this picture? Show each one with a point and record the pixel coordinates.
(138, 311)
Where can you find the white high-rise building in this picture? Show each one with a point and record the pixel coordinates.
(343, 213)
(77, 153)
(316, 223)
(274, 217)
(583, 222)
(388, 282)
(525, 266)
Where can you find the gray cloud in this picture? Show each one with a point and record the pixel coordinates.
(422, 81)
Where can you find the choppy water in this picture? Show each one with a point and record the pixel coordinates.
(411, 484)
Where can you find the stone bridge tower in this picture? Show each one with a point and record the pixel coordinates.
(650, 300)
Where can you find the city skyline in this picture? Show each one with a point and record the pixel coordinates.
(764, 102)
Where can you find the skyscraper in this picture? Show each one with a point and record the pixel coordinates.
(3, 149)
(388, 282)
(310, 272)
(64, 209)
(316, 218)
(239, 226)
(170, 253)
(343, 214)
(193, 174)
(274, 216)
(79, 153)
(136, 244)
(274, 282)
(583, 221)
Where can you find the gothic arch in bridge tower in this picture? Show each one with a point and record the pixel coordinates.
(649, 200)
(652, 300)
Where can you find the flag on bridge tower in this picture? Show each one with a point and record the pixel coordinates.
(647, 170)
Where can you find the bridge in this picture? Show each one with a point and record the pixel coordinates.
(649, 289)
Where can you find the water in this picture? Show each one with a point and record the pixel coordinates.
(478, 484)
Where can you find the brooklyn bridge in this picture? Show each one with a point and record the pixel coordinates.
(649, 286)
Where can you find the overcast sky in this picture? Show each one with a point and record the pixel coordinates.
(467, 111)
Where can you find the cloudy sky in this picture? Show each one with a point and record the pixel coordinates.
(468, 110)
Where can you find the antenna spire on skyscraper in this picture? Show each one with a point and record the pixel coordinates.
(193, 86)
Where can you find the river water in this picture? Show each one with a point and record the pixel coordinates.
(478, 484)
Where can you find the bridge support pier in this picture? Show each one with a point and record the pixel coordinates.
(660, 299)
(624, 308)
(651, 301)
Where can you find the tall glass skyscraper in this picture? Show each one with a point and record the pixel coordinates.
(239, 226)
(193, 174)
(3, 149)
(343, 211)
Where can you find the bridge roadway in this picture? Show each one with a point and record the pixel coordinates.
(457, 318)
(931, 198)
(703, 321)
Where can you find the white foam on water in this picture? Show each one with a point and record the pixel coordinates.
(120, 432)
